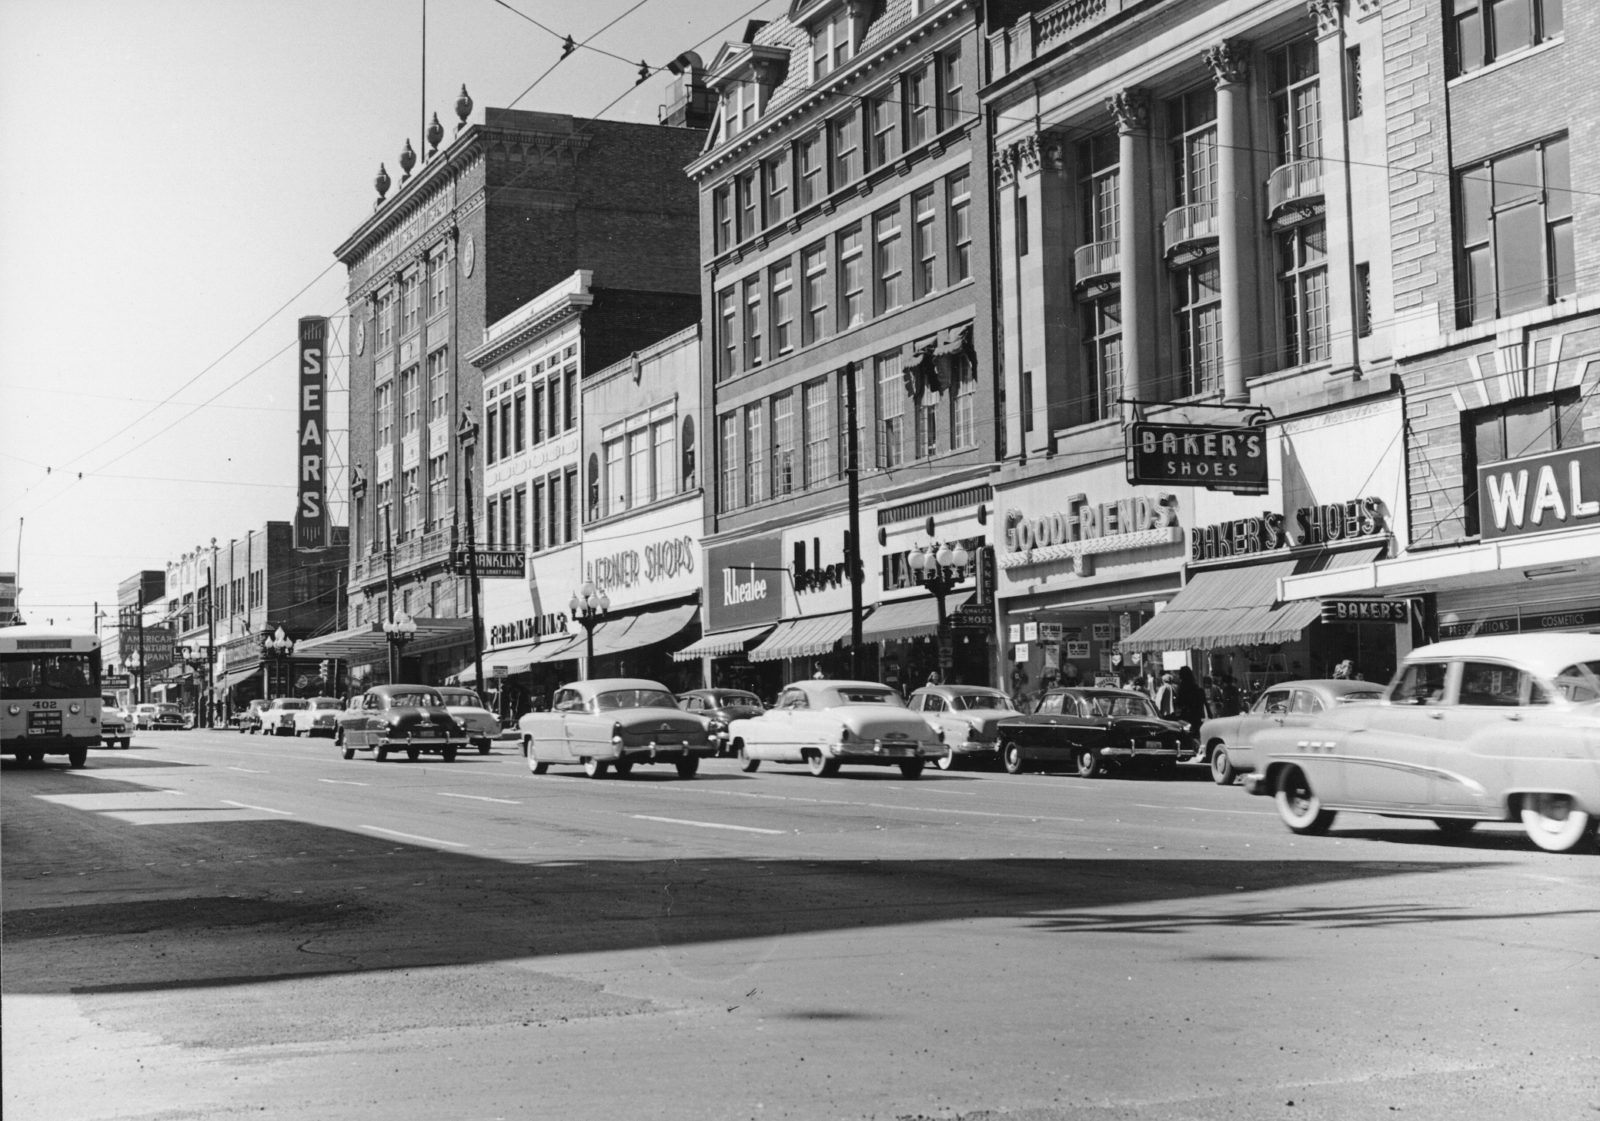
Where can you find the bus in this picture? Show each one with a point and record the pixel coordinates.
(49, 693)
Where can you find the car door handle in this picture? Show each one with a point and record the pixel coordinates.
(1513, 716)
(1435, 716)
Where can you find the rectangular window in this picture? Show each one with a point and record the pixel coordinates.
(438, 385)
(814, 298)
(1303, 293)
(385, 511)
(1485, 31)
(730, 488)
(781, 279)
(664, 482)
(775, 186)
(926, 438)
(411, 301)
(616, 477)
(569, 498)
(411, 511)
(918, 96)
(552, 412)
(519, 421)
(438, 285)
(438, 489)
(1102, 353)
(722, 218)
(755, 450)
(963, 381)
(543, 534)
(783, 441)
(852, 302)
(891, 406)
(1296, 98)
(491, 522)
(1193, 119)
(727, 334)
(1529, 426)
(385, 325)
(958, 190)
(819, 433)
(639, 464)
(569, 387)
(1022, 225)
(923, 250)
(1025, 385)
(888, 251)
(808, 159)
(844, 143)
(746, 205)
(491, 434)
(1199, 310)
(538, 413)
(752, 322)
(830, 45)
(1516, 239)
(519, 517)
(948, 67)
(1100, 187)
(552, 508)
(881, 113)
(505, 430)
(410, 402)
(383, 413)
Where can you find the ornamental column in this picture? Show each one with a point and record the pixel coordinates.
(1236, 219)
(1141, 377)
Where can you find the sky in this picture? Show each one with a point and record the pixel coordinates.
(178, 174)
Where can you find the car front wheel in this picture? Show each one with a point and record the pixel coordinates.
(594, 768)
(746, 764)
(947, 761)
(1552, 822)
(1222, 772)
(1299, 805)
(822, 766)
(1089, 763)
(1011, 758)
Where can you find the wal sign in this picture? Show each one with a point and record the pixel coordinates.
(1540, 493)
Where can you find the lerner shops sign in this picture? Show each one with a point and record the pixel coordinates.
(744, 583)
(1540, 493)
(1081, 528)
(1269, 531)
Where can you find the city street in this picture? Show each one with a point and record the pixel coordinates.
(212, 925)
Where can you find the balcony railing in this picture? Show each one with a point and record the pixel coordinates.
(1097, 263)
(1190, 229)
(1296, 185)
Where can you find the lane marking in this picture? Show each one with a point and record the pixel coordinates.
(1207, 810)
(343, 782)
(711, 825)
(481, 798)
(415, 837)
(261, 809)
(248, 771)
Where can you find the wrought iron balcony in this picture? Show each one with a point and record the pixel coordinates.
(1190, 232)
(1097, 265)
(1295, 192)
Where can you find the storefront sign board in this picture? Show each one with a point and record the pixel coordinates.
(1197, 455)
(745, 582)
(1540, 493)
(1396, 612)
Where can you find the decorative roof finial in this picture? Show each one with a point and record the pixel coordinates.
(408, 160)
(435, 134)
(463, 107)
(382, 183)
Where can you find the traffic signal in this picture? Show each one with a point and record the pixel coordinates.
(326, 670)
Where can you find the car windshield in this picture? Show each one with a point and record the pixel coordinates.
(750, 700)
(635, 698)
(169, 710)
(325, 702)
(415, 700)
(108, 700)
(1580, 681)
(870, 697)
(1359, 695)
(463, 697)
(1119, 704)
(290, 702)
(986, 699)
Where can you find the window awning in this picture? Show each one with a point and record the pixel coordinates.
(367, 644)
(953, 341)
(723, 642)
(803, 638)
(234, 676)
(907, 618)
(1237, 607)
(613, 636)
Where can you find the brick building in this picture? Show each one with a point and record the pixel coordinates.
(844, 240)
(507, 209)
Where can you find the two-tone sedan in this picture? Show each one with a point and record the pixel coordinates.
(319, 717)
(615, 723)
(967, 717)
(115, 723)
(1225, 741)
(481, 725)
(278, 718)
(1085, 729)
(394, 718)
(721, 707)
(1502, 728)
(826, 723)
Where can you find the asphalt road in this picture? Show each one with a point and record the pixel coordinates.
(216, 926)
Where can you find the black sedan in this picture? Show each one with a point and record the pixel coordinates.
(1085, 729)
(395, 718)
(721, 707)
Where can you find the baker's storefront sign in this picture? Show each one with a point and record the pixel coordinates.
(1197, 455)
(1270, 531)
(1395, 612)
(1540, 493)
(1081, 528)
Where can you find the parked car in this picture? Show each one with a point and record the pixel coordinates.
(408, 718)
(1503, 728)
(1225, 741)
(720, 707)
(167, 716)
(144, 717)
(615, 723)
(278, 718)
(319, 717)
(115, 723)
(1086, 729)
(481, 725)
(825, 723)
(967, 717)
(248, 719)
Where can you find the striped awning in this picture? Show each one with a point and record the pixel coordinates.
(907, 618)
(803, 638)
(721, 643)
(646, 628)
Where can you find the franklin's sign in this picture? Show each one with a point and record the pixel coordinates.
(1197, 455)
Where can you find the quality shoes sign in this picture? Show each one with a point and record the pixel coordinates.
(745, 581)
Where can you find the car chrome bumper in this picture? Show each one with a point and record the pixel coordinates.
(884, 751)
(1255, 783)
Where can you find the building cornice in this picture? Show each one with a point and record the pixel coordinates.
(539, 316)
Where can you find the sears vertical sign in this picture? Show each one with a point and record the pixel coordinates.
(311, 505)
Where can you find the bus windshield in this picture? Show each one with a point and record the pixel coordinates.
(28, 676)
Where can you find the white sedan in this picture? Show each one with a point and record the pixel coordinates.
(825, 723)
(1475, 729)
(481, 725)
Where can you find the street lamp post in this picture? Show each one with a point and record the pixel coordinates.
(135, 662)
(939, 569)
(276, 649)
(399, 631)
(587, 605)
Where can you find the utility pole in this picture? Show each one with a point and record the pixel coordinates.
(388, 586)
(852, 547)
(468, 435)
(211, 639)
